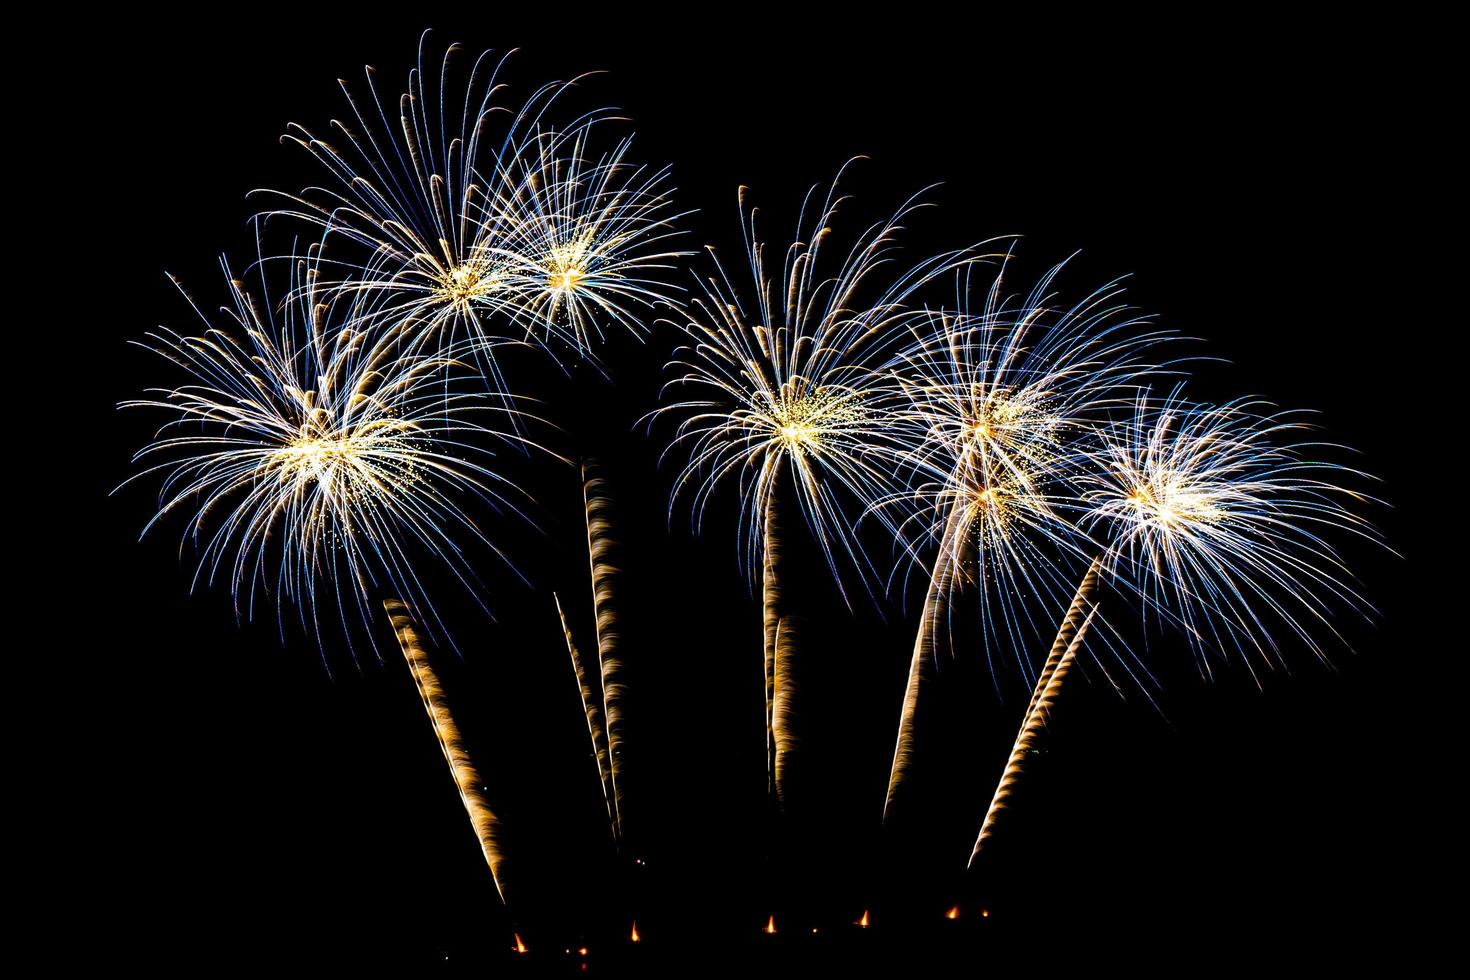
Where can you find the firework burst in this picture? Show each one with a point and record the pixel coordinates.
(1220, 518)
(480, 221)
(313, 456)
(584, 242)
(780, 380)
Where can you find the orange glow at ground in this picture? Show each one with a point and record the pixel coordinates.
(520, 946)
(863, 921)
(953, 913)
(635, 937)
(770, 928)
(984, 913)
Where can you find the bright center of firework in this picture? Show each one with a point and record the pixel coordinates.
(468, 281)
(1171, 506)
(566, 264)
(798, 433)
(356, 461)
(312, 459)
(804, 418)
(319, 449)
(991, 511)
(1004, 418)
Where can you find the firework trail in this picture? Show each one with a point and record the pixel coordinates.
(591, 691)
(471, 786)
(1043, 698)
(1082, 607)
(780, 395)
(602, 552)
(771, 620)
(935, 612)
(319, 460)
(997, 401)
(1031, 728)
(784, 705)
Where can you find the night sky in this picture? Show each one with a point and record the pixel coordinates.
(244, 800)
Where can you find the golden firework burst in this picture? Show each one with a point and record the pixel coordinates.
(310, 447)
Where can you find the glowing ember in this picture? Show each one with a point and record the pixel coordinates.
(984, 913)
(953, 913)
(520, 946)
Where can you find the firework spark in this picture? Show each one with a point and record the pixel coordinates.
(318, 459)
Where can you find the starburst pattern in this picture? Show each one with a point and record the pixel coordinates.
(781, 377)
(1222, 518)
(585, 241)
(316, 459)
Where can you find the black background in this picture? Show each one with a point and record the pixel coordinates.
(226, 799)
